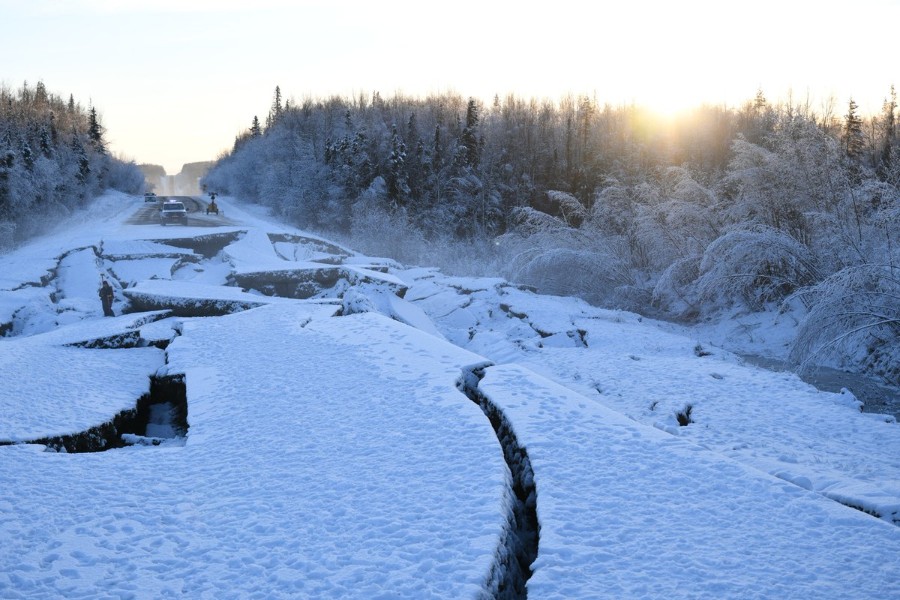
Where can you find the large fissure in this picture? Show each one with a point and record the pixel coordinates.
(159, 417)
(519, 546)
(205, 245)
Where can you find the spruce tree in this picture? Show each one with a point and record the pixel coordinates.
(41, 98)
(276, 110)
(888, 133)
(95, 132)
(84, 164)
(397, 186)
(853, 133)
(469, 138)
(759, 102)
(854, 141)
(27, 156)
(437, 155)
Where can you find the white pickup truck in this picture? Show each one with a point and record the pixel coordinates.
(173, 212)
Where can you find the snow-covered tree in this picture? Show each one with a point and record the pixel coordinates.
(469, 138)
(727, 207)
(95, 132)
(52, 158)
(754, 266)
(854, 321)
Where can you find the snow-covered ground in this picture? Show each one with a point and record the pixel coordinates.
(335, 447)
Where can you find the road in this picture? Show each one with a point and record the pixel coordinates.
(148, 213)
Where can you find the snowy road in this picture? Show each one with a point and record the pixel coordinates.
(332, 453)
(148, 214)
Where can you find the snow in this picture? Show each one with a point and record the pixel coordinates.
(85, 387)
(331, 453)
(772, 421)
(629, 511)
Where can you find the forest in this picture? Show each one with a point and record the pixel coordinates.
(53, 159)
(759, 207)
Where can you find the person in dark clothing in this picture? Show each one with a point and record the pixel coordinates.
(106, 297)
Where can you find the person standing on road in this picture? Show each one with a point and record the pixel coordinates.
(106, 297)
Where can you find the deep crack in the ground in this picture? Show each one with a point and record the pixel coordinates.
(166, 401)
(519, 546)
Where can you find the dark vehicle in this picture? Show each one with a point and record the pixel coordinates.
(149, 197)
(173, 212)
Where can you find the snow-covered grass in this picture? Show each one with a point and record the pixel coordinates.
(331, 451)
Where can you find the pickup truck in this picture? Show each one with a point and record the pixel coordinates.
(173, 212)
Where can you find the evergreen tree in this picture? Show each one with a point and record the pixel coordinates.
(890, 116)
(412, 130)
(276, 104)
(437, 154)
(276, 109)
(758, 121)
(348, 122)
(469, 138)
(759, 102)
(416, 163)
(888, 126)
(41, 98)
(27, 156)
(46, 141)
(854, 141)
(81, 158)
(54, 132)
(255, 130)
(40, 162)
(397, 187)
(95, 132)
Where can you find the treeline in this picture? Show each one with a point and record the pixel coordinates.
(53, 159)
(725, 208)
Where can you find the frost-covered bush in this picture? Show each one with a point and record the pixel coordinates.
(675, 292)
(755, 267)
(571, 211)
(854, 321)
(590, 275)
(674, 230)
(613, 210)
(589, 261)
(378, 231)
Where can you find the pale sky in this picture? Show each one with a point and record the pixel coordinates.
(174, 81)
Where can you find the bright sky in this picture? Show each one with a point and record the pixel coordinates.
(174, 81)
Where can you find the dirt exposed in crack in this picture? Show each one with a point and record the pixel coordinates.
(299, 284)
(130, 427)
(512, 568)
(128, 339)
(184, 307)
(205, 245)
